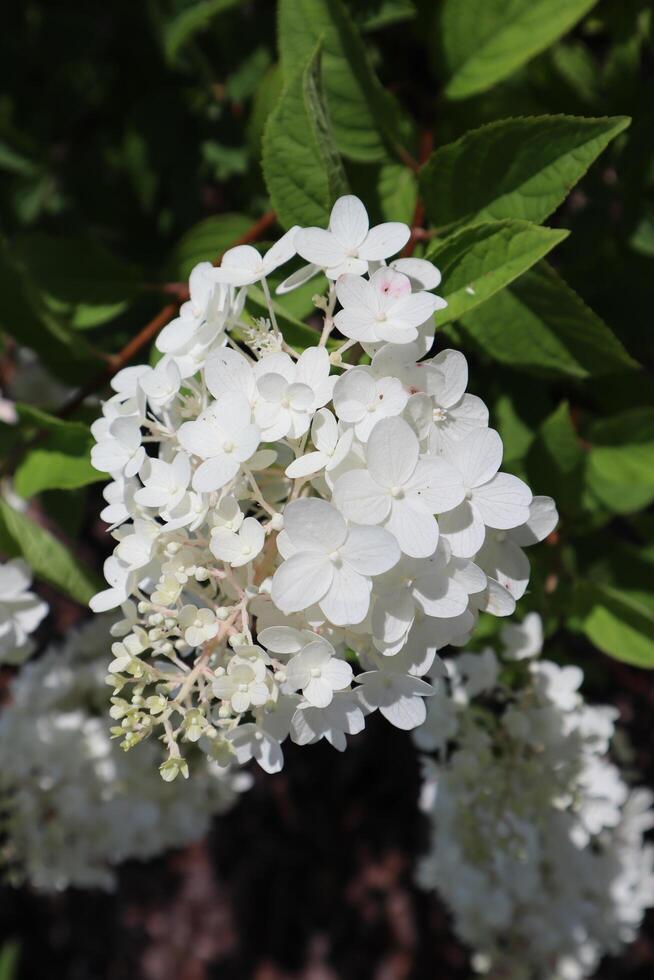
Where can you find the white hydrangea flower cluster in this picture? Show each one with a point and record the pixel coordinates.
(536, 840)
(281, 516)
(73, 805)
(21, 611)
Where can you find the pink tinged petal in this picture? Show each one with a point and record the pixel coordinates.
(392, 452)
(318, 692)
(347, 599)
(503, 502)
(281, 251)
(370, 550)
(388, 287)
(478, 456)
(353, 392)
(227, 370)
(454, 370)
(300, 581)
(384, 240)
(415, 530)
(463, 530)
(436, 484)
(297, 278)
(420, 271)
(415, 309)
(306, 465)
(314, 525)
(349, 221)
(543, 518)
(360, 499)
(319, 247)
(215, 473)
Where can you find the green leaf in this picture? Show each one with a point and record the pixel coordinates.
(621, 461)
(265, 99)
(477, 262)
(383, 13)
(184, 25)
(301, 166)
(483, 41)
(9, 956)
(60, 460)
(540, 325)
(25, 316)
(556, 460)
(365, 117)
(513, 168)
(618, 622)
(48, 557)
(86, 283)
(205, 241)
(397, 189)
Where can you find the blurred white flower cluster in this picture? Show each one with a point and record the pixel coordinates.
(536, 839)
(73, 805)
(281, 515)
(21, 611)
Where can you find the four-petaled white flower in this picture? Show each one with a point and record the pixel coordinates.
(317, 673)
(398, 697)
(197, 625)
(399, 489)
(244, 683)
(224, 436)
(362, 400)
(291, 392)
(120, 451)
(331, 445)
(497, 500)
(382, 309)
(238, 548)
(164, 484)
(328, 563)
(350, 244)
(244, 265)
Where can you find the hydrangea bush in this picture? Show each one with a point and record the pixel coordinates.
(298, 535)
(537, 841)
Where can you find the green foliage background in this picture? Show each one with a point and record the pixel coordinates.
(138, 139)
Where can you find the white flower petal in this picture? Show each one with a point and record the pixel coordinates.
(349, 221)
(503, 502)
(300, 581)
